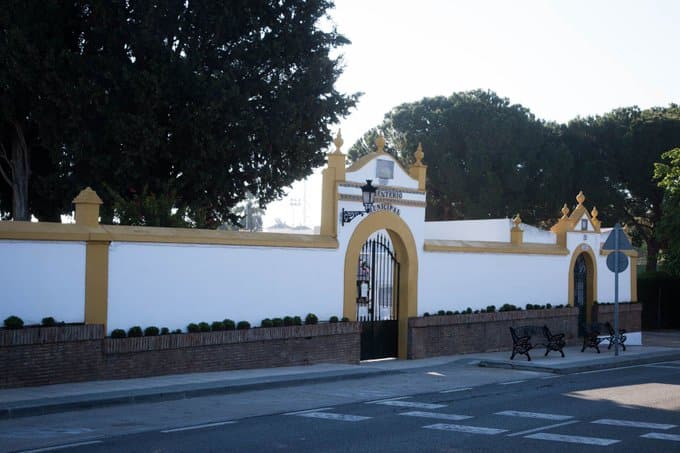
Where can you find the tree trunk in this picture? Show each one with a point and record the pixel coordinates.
(652, 255)
(19, 173)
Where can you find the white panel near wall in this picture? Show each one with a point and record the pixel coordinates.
(172, 285)
(40, 279)
(606, 282)
(455, 281)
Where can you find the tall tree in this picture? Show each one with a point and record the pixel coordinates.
(667, 173)
(486, 157)
(205, 100)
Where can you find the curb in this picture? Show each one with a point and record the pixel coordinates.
(593, 365)
(30, 408)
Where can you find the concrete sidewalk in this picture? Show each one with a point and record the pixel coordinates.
(659, 346)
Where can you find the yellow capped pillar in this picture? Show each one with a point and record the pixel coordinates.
(419, 170)
(332, 174)
(516, 233)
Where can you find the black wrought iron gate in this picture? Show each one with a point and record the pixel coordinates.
(580, 292)
(378, 298)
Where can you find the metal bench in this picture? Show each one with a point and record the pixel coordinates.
(596, 334)
(522, 341)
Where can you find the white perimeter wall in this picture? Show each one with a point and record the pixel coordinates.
(172, 285)
(455, 281)
(40, 279)
(494, 230)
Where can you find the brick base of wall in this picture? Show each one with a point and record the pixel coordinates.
(42, 356)
(630, 315)
(433, 336)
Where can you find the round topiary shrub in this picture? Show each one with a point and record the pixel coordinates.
(165, 331)
(490, 308)
(548, 306)
(288, 321)
(135, 331)
(426, 314)
(333, 319)
(48, 322)
(311, 319)
(278, 322)
(176, 331)
(14, 322)
(297, 321)
(266, 322)
(344, 319)
(151, 331)
(441, 313)
(449, 312)
(243, 325)
(229, 324)
(193, 328)
(216, 326)
(204, 327)
(118, 333)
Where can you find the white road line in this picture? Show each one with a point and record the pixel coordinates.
(662, 436)
(61, 447)
(338, 417)
(573, 439)
(554, 376)
(512, 382)
(189, 428)
(670, 367)
(633, 424)
(542, 428)
(452, 417)
(318, 409)
(460, 389)
(535, 415)
(388, 399)
(412, 404)
(466, 429)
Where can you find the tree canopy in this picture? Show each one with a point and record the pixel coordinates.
(204, 101)
(489, 158)
(667, 173)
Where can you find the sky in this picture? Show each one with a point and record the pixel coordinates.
(559, 59)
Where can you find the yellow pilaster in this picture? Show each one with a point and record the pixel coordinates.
(96, 259)
(419, 170)
(331, 175)
(516, 233)
(633, 279)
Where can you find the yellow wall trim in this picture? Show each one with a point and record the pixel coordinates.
(96, 282)
(44, 231)
(493, 247)
(631, 253)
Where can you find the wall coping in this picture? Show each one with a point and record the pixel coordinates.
(57, 334)
(190, 340)
(518, 315)
(526, 248)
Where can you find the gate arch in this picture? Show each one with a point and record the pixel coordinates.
(590, 280)
(405, 248)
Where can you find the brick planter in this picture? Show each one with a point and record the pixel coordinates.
(433, 336)
(40, 356)
(630, 315)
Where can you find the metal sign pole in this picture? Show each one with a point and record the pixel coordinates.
(616, 294)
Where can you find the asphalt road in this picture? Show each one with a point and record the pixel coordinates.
(635, 408)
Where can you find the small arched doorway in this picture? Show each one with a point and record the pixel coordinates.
(404, 290)
(582, 286)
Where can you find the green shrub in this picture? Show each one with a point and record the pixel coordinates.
(118, 333)
(311, 319)
(165, 331)
(476, 311)
(490, 308)
(508, 307)
(288, 321)
(344, 319)
(278, 322)
(243, 325)
(216, 326)
(548, 306)
(151, 331)
(456, 312)
(135, 331)
(297, 321)
(441, 313)
(333, 319)
(266, 322)
(529, 306)
(193, 328)
(48, 322)
(176, 331)
(204, 327)
(426, 314)
(468, 311)
(14, 322)
(229, 324)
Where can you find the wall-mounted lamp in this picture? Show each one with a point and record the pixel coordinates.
(367, 197)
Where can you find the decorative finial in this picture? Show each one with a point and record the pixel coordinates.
(594, 213)
(419, 154)
(565, 211)
(338, 142)
(517, 220)
(580, 198)
(380, 143)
